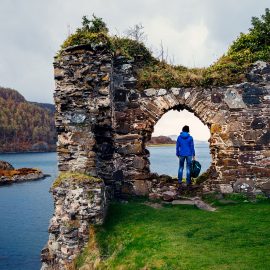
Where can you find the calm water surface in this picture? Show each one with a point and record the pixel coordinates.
(25, 211)
(26, 208)
(164, 161)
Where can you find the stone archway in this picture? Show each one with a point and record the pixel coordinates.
(162, 148)
(103, 122)
(152, 105)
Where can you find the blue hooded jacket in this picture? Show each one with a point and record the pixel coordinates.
(185, 145)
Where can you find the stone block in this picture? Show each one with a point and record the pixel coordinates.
(247, 158)
(217, 97)
(233, 99)
(225, 188)
(139, 163)
(258, 123)
(127, 189)
(150, 92)
(175, 91)
(251, 94)
(127, 138)
(130, 149)
(186, 95)
(154, 196)
(243, 185)
(140, 187)
(265, 138)
(161, 92)
(123, 128)
(104, 102)
(59, 74)
(77, 118)
(104, 91)
(169, 196)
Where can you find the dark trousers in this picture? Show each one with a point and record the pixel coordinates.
(181, 168)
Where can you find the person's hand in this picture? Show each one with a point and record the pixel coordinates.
(194, 158)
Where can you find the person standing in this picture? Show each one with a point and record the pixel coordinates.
(185, 152)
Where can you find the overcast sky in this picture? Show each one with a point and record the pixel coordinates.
(195, 32)
(172, 122)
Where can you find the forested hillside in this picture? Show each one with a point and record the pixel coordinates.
(25, 126)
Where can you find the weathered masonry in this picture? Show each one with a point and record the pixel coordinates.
(104, 122)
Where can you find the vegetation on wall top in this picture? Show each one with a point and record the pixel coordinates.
(92, 31)
(228, 69)
(95, 32)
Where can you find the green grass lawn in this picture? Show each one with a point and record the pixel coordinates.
(136, 236)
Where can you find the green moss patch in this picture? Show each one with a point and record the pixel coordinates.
(74, 177)
(132, 49)
(83, 38)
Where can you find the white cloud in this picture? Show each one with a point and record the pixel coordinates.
(171, 123)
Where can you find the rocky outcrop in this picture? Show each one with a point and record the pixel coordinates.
(5, 165)
(10, 175)
(161, 140)
(79, 200)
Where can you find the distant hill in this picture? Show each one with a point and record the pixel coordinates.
(48, 106)
(161, 140)
(171, 139)
(25, 126)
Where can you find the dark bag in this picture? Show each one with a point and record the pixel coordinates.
(195, 168)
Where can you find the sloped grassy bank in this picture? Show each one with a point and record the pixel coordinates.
(136, 236)
(228, 69)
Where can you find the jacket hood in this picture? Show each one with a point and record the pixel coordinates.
(184, 135)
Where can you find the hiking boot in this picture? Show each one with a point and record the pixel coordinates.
(180, 186)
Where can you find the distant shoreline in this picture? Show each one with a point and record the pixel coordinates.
(27, 152)
(174, 144)
(161, 144)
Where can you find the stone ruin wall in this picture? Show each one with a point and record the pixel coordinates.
(84, 113)
(104, 122)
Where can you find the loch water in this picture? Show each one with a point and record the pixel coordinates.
(26, 208)
(25, 211)
(164, 161)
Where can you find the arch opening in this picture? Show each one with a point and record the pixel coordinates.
(162, 145)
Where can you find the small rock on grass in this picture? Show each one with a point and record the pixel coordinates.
(153, 205)
(204, 206)
(195, 201)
